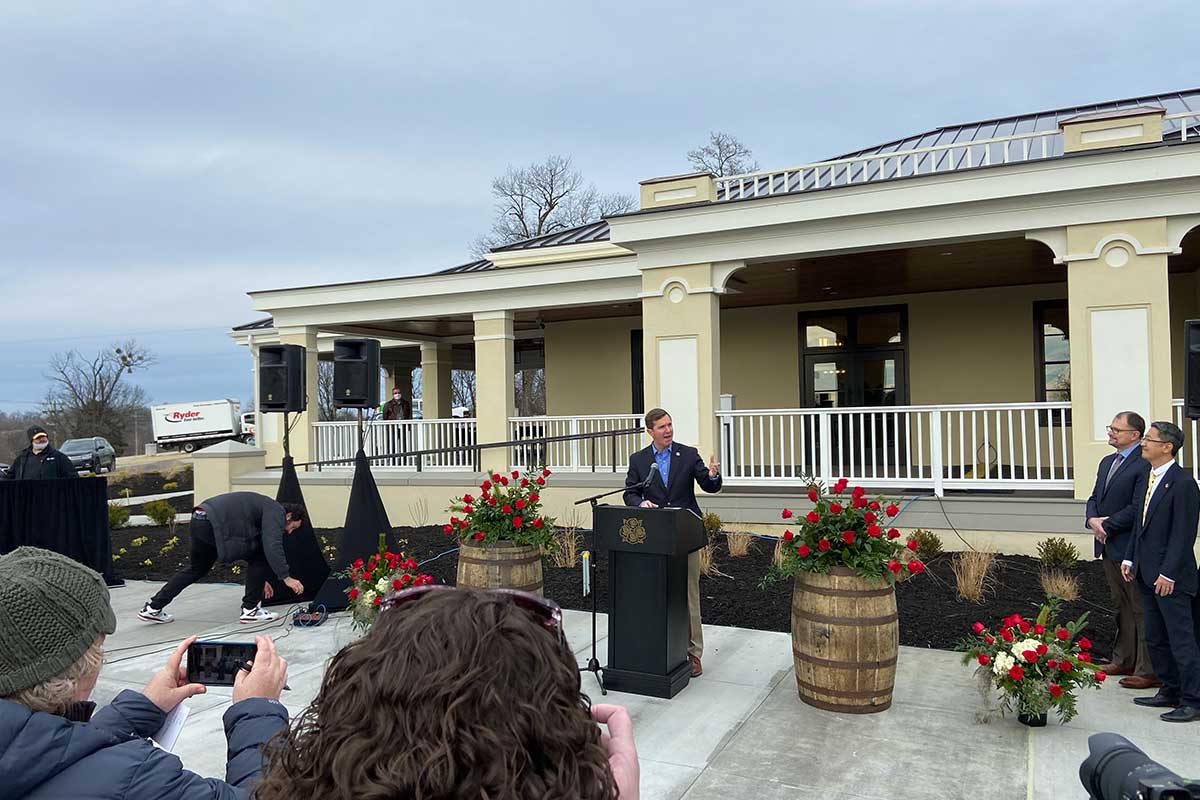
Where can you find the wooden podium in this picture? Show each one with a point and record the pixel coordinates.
(647, 552)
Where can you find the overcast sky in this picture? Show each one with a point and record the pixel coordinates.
(158, 160)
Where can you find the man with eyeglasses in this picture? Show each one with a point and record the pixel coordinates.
(1162, 563)
(1110, 514)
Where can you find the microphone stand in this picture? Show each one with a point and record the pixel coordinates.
(593, 664)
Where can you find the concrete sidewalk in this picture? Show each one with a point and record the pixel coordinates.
(738, 731)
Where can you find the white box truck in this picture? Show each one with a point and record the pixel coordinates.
(191, 426)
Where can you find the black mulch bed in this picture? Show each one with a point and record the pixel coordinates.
(148, 483)
(181, 504)
(930, 613)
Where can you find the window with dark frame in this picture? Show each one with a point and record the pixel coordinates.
(1052, 342)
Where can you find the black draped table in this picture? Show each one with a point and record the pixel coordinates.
(66, 515)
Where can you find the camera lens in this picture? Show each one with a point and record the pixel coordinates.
(1116, 769)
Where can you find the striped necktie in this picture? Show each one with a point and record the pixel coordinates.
(1149, 489)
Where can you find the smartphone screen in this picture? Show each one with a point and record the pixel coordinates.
(217, 663)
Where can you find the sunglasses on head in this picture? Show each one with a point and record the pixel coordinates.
(547, 612)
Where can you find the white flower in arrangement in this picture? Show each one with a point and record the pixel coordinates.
(368, 598)
(1020, 647)
(1003, 663)
(383, 586)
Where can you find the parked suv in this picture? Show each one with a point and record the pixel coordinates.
(93, 453)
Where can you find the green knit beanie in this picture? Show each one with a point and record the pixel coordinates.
(52, 609)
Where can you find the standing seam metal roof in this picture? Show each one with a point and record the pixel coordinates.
(1172, 102)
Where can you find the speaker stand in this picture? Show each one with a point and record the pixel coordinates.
(287, 442)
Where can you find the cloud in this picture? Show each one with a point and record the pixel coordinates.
(162, 159)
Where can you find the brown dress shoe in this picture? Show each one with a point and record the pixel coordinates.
(1140, 682)
(697, 671)
(1113, 669)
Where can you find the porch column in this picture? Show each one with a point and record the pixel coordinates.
(303, 435)
(399, 365)
(1119, 309)
(494, 393)
(436, 394)
(681, 350)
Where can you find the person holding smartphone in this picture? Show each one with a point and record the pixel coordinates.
(238, 526)
(54, 615)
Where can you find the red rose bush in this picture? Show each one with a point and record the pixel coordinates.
(1036, 665)
(372, 580)
(508, 508)
(846, 529)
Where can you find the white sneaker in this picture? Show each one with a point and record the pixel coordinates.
(150, 614)
(256, 614)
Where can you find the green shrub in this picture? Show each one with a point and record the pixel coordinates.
(712, 524)
(170, 486)
(929, 546)
(160, 512)
(118, 516)
(1057, 552)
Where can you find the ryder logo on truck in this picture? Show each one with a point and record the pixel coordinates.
(182, 416)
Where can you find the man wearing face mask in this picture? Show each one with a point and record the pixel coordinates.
(41, 460)
(398, 407)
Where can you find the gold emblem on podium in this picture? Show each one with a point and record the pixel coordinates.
(633, 531)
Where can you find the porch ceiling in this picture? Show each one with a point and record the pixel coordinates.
(939, 268)
(463, 325)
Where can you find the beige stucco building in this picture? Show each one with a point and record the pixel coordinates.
(953, 315)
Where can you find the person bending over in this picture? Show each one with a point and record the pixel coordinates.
(54, 615)
(455, 693)
(239, 526)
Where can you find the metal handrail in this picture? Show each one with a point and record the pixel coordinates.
(477, 449)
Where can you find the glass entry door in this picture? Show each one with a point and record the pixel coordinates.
(857, 359)
(855, 380)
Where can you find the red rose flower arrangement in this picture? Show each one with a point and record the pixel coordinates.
(509, 509)
(1036, 665)
(846, 529)
(372, 580)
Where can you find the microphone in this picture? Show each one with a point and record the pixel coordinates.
(650, 475)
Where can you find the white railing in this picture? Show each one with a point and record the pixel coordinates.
(339, 440)
(1189, 459)
(914, 161)
(1186, 119)
(593, 454)
(886, 166)
(984, 446)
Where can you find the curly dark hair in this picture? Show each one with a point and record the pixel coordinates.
(458, 694)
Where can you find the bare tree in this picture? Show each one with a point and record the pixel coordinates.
(724, 154)
(462, 389)
(544, 198)
(12, 432)
(530, 388)
(93, 396)
(327, 411)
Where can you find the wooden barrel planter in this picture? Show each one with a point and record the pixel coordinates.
(505, 566)
(845, 639)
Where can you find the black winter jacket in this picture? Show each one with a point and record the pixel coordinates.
(245, 523)
(49, 463)
(44, 756)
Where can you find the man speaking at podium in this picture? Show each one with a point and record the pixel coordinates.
(661, 476)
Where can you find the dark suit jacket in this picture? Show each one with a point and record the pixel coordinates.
(1119, 502)
(1164, 544)
(687, 469)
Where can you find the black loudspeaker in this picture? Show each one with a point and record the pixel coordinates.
(356, 373)
(281, 378)
(1191, 369)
